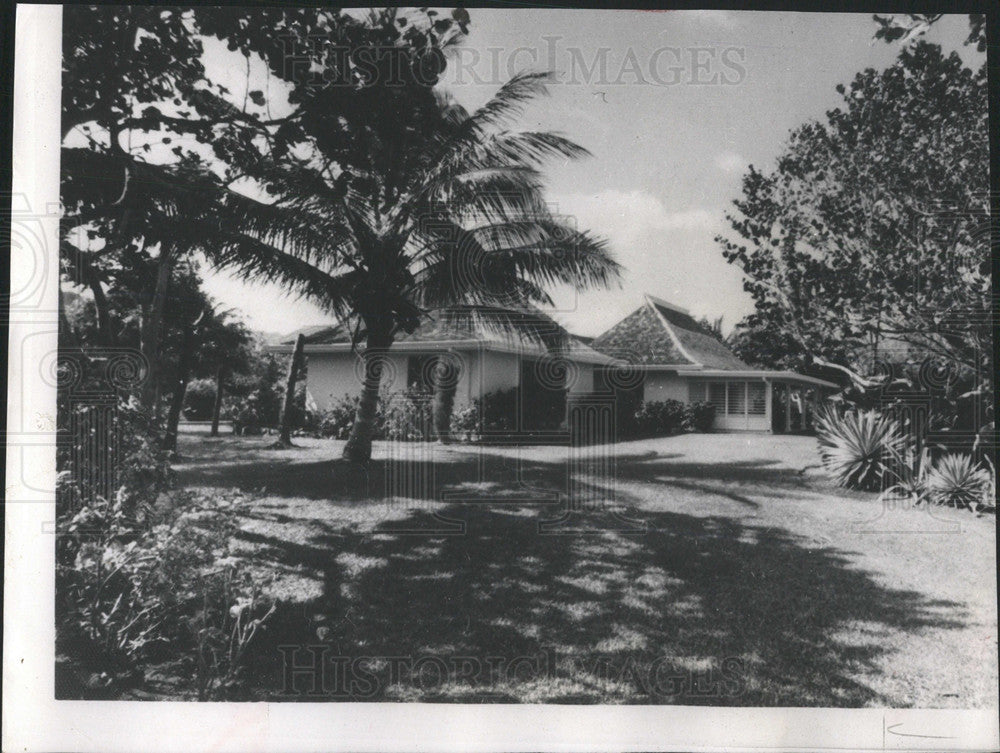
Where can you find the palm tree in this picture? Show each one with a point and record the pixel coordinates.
(447, 212)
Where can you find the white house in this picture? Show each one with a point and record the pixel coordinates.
(658, 352)
(487, 360)
(669, 355)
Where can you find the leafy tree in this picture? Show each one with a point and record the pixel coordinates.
(911, 26)
(871, 234)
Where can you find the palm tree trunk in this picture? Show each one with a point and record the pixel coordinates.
(359, 443)
(152, 324)
(445, 386)
(177, 402)
(217, 404)
(285, 437)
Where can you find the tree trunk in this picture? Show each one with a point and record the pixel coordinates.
(285, 437)
(359, 443)
(217, 405)
(445, 382)
(152, 324)
(177, 402)
(103, 313)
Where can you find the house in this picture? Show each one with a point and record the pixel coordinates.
(663, 353)
(656, 353)
(486, 359)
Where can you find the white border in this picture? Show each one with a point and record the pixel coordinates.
(33, 721)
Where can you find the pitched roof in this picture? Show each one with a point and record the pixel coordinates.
(444, 326)
(661, 334)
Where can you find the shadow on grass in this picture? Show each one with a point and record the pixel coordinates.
(678, 609)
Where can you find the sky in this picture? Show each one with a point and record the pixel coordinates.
(673, 106)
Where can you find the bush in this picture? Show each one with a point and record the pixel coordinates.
(199, 400)
(401, 416)
(859, 448)
(465, 423)
(335, 421)
(701, 417)
(660, 418)
(129, 595)
(120, 459)
(406, 416)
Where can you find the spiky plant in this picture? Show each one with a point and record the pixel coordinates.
(858, 447)
(957, 481)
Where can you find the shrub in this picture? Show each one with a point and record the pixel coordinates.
(406, 416)
(700, 417)
(121, 459)
(465, 423)
(128, 595)
(336, 420)
(199, 400)
(858, 447)
(657, 418)
(956, 481)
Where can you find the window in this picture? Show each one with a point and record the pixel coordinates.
(736, 399)
(756, 398)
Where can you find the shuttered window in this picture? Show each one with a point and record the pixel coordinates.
(756, 398)
(717, 396)
(736, 398)
(731, 398)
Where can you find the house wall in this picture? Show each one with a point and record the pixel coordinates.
(665, 385)
(492, 372)
(332, 375)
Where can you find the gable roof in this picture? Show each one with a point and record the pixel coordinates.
(661, 334)
(475, 329)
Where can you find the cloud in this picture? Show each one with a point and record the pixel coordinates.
(730, 162)
(669, 253)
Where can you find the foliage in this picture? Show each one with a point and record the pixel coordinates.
(912, 26)
(956, 481)
(400, 416)
(120, 458)
(406, 416)
(199, 399)
(131, 593)
(660, 418)
(858, 447)
(701, 417)
(869, 239)
(335, 421)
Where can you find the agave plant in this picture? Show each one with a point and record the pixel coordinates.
(957, 481)
(858, 447)
(910, 467)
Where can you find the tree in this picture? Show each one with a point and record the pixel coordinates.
(911, 26)
(139, 111)
(430, 208)
(872, 231)
(288, 407)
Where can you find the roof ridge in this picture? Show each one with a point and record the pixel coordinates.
(650, 301)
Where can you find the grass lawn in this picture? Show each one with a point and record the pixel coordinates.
(698, 569)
